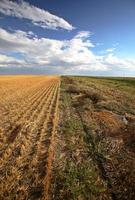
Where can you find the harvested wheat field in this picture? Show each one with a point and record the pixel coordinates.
(28, 121)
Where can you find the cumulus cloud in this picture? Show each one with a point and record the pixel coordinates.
(38, 16)
(74, 53)
(65, 56)
(10, 61)
(113, 60)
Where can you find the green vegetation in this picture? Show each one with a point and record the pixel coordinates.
(95, 149)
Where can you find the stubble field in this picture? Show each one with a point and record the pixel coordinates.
(28, 119)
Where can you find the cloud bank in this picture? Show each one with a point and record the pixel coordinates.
(39, 17)
(24, 49)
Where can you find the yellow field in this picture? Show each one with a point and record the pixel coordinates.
(28, 121)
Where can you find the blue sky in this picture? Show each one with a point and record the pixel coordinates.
(77, 37)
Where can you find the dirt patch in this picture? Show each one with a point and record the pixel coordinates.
(13, 134)
(128, 136)
(117, 126)
(109, 122)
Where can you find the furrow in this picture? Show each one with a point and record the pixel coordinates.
(24, 111)
(27, 123)
(29, 148)
(14, 124)
(51, 149)
(43, 145)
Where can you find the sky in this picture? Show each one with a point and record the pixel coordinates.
(84, 37)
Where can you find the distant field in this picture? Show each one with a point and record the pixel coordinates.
(68, 138)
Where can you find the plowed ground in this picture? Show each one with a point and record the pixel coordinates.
(28, 121)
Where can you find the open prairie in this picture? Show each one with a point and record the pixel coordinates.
(68, 138)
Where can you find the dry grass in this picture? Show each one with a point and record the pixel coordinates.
(95, 155)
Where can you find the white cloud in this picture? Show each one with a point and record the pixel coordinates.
(110, 49)
(99, 44)
(113, 60)
(38, 16)
(69, 54)
(83, 34)
(66, 56)
(10, 61)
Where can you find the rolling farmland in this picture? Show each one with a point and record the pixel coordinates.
(28, 121)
